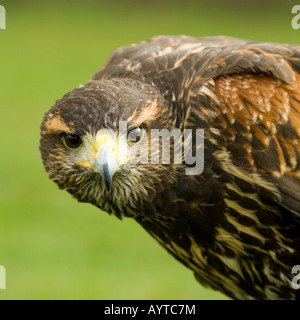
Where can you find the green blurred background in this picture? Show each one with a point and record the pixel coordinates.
(51, 246)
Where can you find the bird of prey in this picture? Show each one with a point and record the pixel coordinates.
(236, 222)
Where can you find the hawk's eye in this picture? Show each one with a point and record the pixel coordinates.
(72, 141)
(135, 135)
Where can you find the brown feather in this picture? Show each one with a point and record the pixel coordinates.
(237, 224)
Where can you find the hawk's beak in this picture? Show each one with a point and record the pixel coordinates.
(106, 162)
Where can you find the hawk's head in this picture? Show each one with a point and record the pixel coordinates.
(93, 140)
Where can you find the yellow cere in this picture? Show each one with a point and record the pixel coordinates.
(105, 139)
(84, 164)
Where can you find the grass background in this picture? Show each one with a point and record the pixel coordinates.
(51, 246)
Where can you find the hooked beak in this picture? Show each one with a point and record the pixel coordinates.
(106, 163)
(106, 158)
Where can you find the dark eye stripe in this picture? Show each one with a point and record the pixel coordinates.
(72, 141)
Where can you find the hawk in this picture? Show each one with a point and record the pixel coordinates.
(235, 224)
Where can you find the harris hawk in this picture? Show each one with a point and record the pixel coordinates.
(236, 224)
